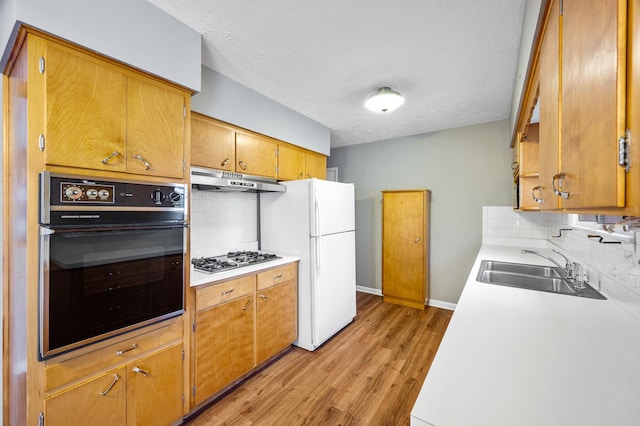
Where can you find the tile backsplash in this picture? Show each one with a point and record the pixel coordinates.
(223, 221)
(613, 268)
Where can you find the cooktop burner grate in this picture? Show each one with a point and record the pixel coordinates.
(232, 260)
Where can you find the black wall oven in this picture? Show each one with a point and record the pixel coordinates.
(111, 258)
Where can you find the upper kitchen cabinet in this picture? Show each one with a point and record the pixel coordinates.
(212, 143)
(296, 163)
(256, 155)
(586, 96)
(315, 165)
(103, 116)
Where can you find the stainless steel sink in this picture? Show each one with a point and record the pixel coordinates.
(532, 277)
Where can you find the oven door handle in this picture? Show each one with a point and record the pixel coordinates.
(48, 231)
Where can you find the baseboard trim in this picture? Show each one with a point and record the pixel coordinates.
(375, 291)
(442, 305)
(430, 302)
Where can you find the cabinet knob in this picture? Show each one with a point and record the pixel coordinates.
(243, 165)
(418, 240)
(225, 162)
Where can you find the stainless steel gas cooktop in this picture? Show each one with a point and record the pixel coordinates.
(231, 260)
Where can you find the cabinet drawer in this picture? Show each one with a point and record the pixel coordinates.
(277, 275)
(65, 368)
(218, 293)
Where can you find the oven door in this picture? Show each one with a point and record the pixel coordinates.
(99, 282)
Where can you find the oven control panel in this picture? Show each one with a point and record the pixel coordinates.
(73, 192)
(70, 191)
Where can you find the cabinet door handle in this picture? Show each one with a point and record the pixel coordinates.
(263, 297)
(225, 162)
(107, 159)
(301, 175)
(277, 277)
(249, 302)
(147, 166)
(533, 194)
(106, 391)
(558, 177)
(243, 165)
(417, 240)
(121, 352)
(224, 293)
(136, 369)
(309, 176)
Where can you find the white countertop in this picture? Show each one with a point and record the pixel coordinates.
(200, 278)
(519, 357)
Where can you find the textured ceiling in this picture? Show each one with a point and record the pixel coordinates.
(454, 61)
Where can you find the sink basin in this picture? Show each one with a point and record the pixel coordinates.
(531, 277)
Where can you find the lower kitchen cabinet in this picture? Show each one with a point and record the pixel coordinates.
(147, 391)
(276, 319)
(239, 324)
(223, 345)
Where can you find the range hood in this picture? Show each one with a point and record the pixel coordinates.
(205, 179)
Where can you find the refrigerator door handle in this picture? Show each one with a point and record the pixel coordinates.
(317, 243)
(317, 221)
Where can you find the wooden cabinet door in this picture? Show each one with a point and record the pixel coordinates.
(155, 129)
(255, 156)
(101, 401)
(593, 102)
(315, 166)
(85, 111)
(549, 136)
(276, 319)
(405, 247)
(224, 346)
(154, 388)
(290, 163)
(212, 144)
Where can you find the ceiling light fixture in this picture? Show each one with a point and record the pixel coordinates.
(384, 100)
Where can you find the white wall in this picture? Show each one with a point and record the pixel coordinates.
(230, 101)
(465, 168)
(133, 31)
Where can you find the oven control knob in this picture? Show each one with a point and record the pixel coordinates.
(92, 193)
(73, 192)
(157, 196)
(175, 197)
(103, 194)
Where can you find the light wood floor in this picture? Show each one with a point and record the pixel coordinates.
(368, 374)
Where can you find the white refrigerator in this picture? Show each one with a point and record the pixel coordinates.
(315, 220)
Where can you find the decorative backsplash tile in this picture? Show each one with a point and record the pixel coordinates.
(223, 221)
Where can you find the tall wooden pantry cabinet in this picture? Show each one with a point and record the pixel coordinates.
(405, 247)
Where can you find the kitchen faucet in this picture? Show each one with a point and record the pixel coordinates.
(571, 270)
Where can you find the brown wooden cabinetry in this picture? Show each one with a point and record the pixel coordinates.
(223, 339)
(295, 163)
(221, 146)
(239, 324)
(256, 155)
(276, 311)
(144, 385)
(101, 116)
(587, 89)
(212, 143)
(405, 247)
